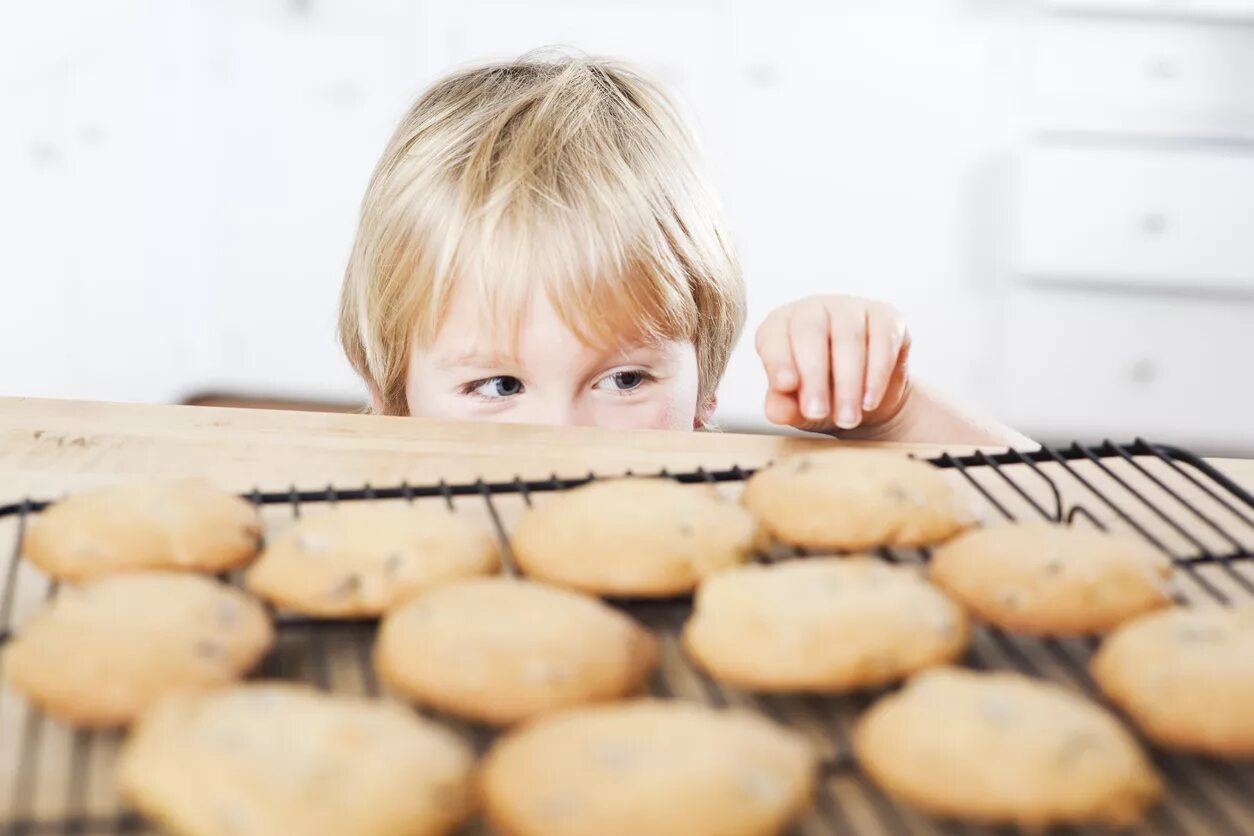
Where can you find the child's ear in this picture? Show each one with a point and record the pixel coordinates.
(704, 413)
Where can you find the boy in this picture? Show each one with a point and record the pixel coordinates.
(540, 243)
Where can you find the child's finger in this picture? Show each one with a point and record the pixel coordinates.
(808, 332)
(776, 354)
(782, 409)
(884, 340)
(849, 333)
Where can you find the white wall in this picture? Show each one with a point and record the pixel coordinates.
(179, 182)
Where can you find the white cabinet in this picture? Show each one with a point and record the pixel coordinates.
(102, 223)
(863, 153)
(37, 39)
(34, 296)
(1089, 365)
(1133, 244)
(180, 183)
(82, 313)
(1145, 77)
(305, 98)
(1137, 217)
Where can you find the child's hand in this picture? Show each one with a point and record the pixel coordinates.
(858, 345)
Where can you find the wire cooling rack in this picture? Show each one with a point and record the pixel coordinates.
(57, 780)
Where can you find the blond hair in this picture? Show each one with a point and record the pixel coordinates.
(567, 173)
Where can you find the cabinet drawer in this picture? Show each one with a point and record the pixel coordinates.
(1145, 77)
(1217, 9)
(1089, 365)
(1136, 217)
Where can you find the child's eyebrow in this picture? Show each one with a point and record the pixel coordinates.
(476, 357)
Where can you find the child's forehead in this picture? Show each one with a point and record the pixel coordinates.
(476, 333)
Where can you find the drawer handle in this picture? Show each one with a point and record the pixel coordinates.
(762, 74)
(1143, 371)
(1161, 69)
(1154, 224)
(45, 153)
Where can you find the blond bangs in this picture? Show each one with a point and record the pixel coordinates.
(570, 177)
(611, 286)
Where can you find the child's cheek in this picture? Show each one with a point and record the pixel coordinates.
(661, 409)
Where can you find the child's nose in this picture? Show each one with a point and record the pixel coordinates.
(554, 412)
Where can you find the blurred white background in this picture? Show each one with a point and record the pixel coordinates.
(1059, 195)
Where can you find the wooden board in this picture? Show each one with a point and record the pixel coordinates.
(48, 447)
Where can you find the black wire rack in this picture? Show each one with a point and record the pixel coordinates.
(54, 779)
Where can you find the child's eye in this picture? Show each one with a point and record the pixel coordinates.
(494, 388)
(625, 381)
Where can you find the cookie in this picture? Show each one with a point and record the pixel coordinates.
(100, 654)
(185, 525)
(499, 650)
(1185, 677)
(272, 758)
(359, 559)
(1002, 748)
(1052, 580)
(655, 767)
(854, 499)
(633, 537)
(822, 625)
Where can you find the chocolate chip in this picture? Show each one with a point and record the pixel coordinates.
(392, 564)
(228, 614)
(1075, 746)
(346, 587)
(760, 785)
(1010, 599)
(210, 650)
(896, 493)
(1194, 633)
(614, 756)
(996, 710)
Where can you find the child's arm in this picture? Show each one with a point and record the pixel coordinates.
(838, 364)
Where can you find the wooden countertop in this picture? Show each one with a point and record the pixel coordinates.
(48, 447)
